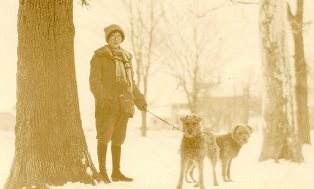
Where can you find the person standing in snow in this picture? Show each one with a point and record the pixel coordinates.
(115, 92)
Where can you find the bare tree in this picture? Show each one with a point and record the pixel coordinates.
(296, 23)
(50, 147)
(281, 140)
(145, 17)
(194, 53)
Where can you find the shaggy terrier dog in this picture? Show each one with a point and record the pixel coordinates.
(229, 147)
(195, 146)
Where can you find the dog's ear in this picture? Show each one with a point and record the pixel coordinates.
(234, 129)
(183, 119)
(197, 118)
(250, 129)
(234, 134)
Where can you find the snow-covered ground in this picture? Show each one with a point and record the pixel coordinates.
(154, 163)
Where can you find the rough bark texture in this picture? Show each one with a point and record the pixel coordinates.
(280, 139)
(296, 23)
(50, 147)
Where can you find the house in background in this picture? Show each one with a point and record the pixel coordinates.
(222, 113)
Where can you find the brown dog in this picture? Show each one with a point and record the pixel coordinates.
(195, 146)
(229, 146)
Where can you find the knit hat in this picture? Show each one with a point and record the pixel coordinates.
(112, 28)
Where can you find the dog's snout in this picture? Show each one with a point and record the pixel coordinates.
(190, 131)
(246, 139)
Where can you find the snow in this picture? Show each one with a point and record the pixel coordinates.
(154, 163)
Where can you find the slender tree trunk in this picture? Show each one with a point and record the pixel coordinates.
(144, 115)
(280, 139)
(246, 104)
(296, 23)
(50, 147)
(144, 125)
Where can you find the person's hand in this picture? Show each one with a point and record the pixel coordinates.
(143, 107)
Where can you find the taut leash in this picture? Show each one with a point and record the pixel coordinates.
(173, 127)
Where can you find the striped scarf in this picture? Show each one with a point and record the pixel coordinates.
(123, 68)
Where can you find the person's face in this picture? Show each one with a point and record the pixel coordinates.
(115, 39)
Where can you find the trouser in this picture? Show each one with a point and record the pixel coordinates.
(111, 126)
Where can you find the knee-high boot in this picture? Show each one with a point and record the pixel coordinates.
(116, 173)
(102, 153)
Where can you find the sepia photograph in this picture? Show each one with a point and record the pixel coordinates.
(157, 94)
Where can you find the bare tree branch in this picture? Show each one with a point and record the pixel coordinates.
(289, 13)
(187, 49)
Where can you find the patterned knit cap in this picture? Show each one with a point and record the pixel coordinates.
(112, 28)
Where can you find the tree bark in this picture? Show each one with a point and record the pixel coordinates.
(143, 114)
(280, 138)
(144, 125)
(296, 23)
(50, 146)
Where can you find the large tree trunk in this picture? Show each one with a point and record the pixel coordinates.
(280, 138)
(50, 147)
(296, 22)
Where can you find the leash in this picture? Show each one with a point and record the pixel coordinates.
(173, 127)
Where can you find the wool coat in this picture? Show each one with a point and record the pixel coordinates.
(103, 83)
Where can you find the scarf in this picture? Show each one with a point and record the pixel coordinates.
(123, 68)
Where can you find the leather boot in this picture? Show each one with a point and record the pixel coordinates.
(116, 173)
(102, 153)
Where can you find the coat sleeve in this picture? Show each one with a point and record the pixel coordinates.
(139, 98)
(95, 82)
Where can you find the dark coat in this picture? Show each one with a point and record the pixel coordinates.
(103, 84)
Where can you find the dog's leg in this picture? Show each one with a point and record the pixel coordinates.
(224, 169)
(201, 175)
(189, 167)
(223, 165)
(186, 172)
(213, 161)
(191, 173)
(228, 171)
(182, 168)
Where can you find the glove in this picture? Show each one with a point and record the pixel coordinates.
(143, 107)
